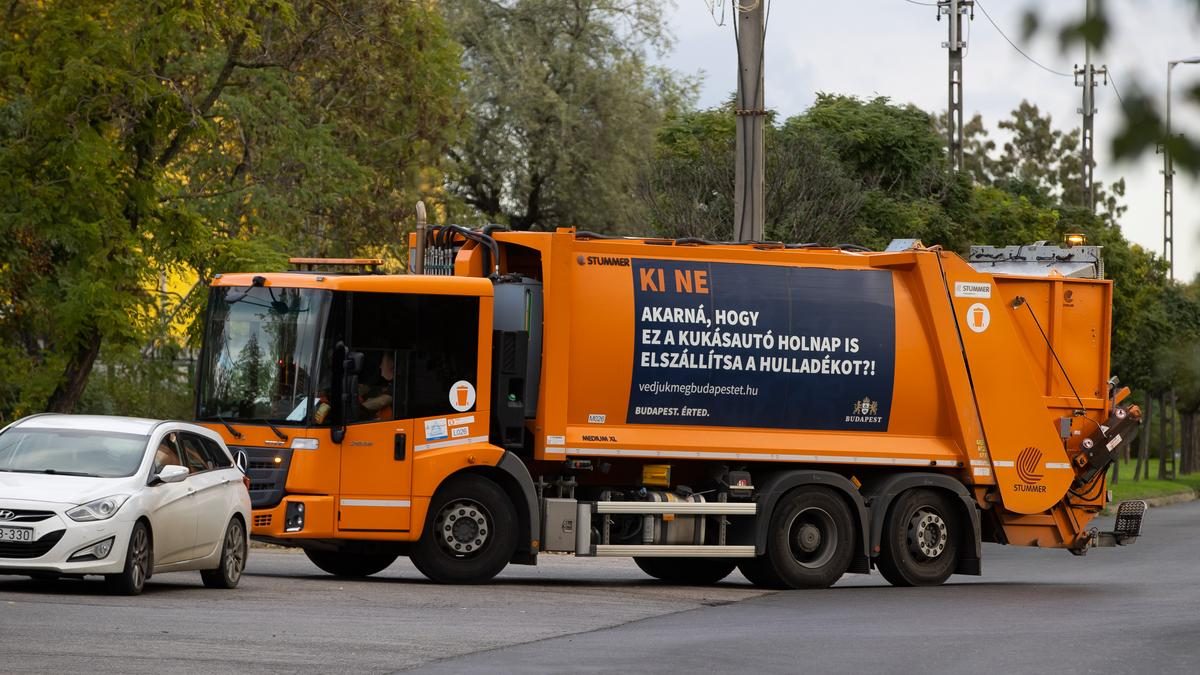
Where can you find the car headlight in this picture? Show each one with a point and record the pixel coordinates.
(100, 509)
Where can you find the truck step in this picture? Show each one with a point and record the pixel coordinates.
(681, 508)
(673, 551)
(1128, 526)
(1129, 519)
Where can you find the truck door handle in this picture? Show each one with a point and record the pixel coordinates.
(401, 447)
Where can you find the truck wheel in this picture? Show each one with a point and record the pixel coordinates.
(811, 541)
(759, 572)
(920, 540)
(470, 532)
(350, 563)
(687, 571)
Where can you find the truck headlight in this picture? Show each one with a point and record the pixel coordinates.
(100, 509)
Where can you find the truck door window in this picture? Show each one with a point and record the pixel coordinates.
(446, 352)
(414, 347)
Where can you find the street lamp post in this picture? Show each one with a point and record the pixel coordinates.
(1169, 177)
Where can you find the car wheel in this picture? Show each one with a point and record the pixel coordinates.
(687, 571)
(351, 563)
(470, 532)
(920, 540)
(139, 560)
(233, 558)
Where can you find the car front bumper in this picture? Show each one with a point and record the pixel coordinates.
(56, 538)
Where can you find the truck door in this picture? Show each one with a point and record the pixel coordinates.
(415, 348)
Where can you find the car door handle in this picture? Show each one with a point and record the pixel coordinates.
(401, 447)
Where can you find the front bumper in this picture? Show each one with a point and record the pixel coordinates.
(56, 538)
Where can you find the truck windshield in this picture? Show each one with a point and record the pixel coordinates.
(260, 349)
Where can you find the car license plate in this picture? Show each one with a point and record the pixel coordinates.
(16, 534)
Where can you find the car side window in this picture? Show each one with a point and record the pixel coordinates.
(193, 453)
(167, 453)
(216, 457)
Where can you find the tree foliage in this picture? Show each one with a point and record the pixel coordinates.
(564, 108)
(139, 139)
(687, 190)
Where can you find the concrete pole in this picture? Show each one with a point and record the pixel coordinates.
(748, 200)
(954, 10)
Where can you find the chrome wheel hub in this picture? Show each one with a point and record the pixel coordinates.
(927, 534)
(463, 527)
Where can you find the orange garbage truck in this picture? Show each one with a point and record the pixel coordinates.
(793, 411)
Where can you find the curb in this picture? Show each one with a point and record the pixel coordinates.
(1177, 498)
(1164, 500)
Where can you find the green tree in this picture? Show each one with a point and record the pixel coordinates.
(564, 106)
(143, 138)
(687, 189)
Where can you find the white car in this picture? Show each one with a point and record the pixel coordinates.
(122, 497)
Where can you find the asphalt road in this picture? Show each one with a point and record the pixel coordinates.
(1133, 609)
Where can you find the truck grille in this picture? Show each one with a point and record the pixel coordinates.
(33, 549)
(267, 477)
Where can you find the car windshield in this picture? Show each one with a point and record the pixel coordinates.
(72, 452)
(259, 354)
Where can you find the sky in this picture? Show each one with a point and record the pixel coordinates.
(893, 48)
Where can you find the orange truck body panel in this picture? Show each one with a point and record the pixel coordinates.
(973, 417)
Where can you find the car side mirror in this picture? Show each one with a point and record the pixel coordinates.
(241, 461)
(170, 474)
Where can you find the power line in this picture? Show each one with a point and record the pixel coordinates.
(926, 4)
(1113, 81)
(712, 9)
(1014, 45)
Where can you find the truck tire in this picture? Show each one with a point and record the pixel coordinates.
(687, 571)
(759, 572)
(470, 532)
(811, 542)
(920, 540)
(349, 563)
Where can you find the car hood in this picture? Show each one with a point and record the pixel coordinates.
(37, 487)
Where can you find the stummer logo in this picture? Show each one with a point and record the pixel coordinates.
(1029, 470)
(608, 261)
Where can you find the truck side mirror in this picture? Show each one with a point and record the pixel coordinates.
(351, 367)
(353, 363)
(346, 365)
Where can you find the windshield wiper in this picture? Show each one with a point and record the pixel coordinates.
(235, 432)
(282, 436)
(55, 472)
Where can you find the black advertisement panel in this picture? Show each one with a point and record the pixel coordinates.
(726, 344)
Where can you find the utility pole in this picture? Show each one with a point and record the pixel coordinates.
(1169, 175)
(1088, 110)
(954, 10)
(750, 31)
